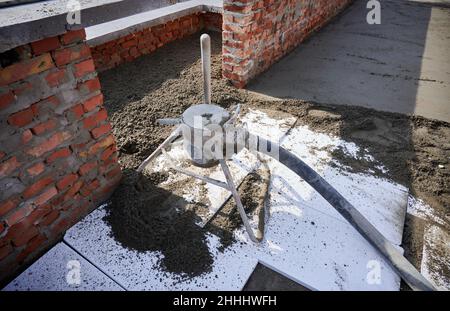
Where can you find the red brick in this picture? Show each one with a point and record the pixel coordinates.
(79, 148)
(55, 78)
(66, 181)
(78, 111)
(26, 136)
(73, 36)
(68, 55)
(95, 119)
(19, 214)
(104, 143)
(6, 99)
(37, 187)
(84, 68)
(73, 190)
(62, 153)
(51, 143)
(31, 247)
(87, 189)
(23, 69)
(95, 184)
(44, 127)
(36, 169)
(108, 152)
(101, 130)
(90, 86)
(46, 105)
(7, 206)
(45, 45)
(45, 196)
(22, 118)
(37, 214)
(134, 52)
(59, 227)
(129, 44)
(8, 166)
(53, 100)
(112, 159)
(87, 167)
(50, 218)
(93, 102)
(5, 250)
(26, 234)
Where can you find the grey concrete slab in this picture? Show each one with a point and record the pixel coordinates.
(401, 65)
(34, 21)
(118, 28)
(62, 269)
(43, 9)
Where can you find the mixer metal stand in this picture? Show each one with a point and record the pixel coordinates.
(228, 185)
(217, 114)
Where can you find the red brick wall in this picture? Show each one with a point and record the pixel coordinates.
(257, 33)
(126, 49)
(212, 21)
(57, 154)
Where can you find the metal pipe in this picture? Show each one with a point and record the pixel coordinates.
(191, 174)
(205, 44)
(237, 199)
(174, 135)
(393, 256)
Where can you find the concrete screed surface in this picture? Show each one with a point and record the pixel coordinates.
(401, 65)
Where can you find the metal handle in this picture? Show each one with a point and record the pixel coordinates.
(205, 44)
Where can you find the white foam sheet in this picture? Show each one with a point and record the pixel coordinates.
(323, 252)
(140, 271)
(49, 273)
(436, 256)
(381, 201)
(305, 238)
(420, 209)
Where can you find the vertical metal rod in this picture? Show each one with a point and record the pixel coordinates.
(205, 44)
(237, 199)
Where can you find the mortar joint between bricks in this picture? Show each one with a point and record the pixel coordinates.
(241, 4)
(241, 15)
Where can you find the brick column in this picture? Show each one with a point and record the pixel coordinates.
(257, 33)
(58, 157)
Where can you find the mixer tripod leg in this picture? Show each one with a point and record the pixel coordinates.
(238, 201)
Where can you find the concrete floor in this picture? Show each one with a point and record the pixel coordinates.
(402, 65)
